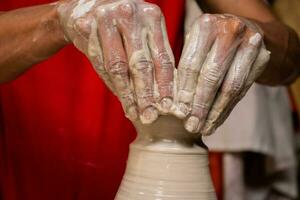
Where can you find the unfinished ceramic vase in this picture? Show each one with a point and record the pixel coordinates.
(166, 162)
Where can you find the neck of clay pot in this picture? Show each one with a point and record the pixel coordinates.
(168, 133)
(166, 162)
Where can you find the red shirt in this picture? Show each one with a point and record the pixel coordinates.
(63, 134)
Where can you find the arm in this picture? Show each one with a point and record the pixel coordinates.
(282, 41)
(28, 36)
(125, 40)
(224, 54)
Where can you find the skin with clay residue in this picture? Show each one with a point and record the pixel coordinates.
(126, 42)
(222, 57)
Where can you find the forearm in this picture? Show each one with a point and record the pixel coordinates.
(284, 65)
(282, 41)
(28, 36)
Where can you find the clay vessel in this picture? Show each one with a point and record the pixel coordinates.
(166, 163)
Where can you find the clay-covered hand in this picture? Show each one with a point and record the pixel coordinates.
(223, 55)
(126, 42)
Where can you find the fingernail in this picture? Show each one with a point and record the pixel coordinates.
(192, 124)
(182, 110)
(166, 104)
(149, 115)
(132, 113)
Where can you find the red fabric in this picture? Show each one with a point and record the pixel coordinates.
(63, 134)
(216, 163)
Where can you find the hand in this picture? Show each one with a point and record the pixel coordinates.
(223, 55)
(126, 42)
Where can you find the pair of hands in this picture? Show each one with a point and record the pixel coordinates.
(126, 41)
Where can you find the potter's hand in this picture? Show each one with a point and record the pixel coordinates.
(222, 57)
(127, 44)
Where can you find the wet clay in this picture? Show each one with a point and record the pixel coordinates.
(166, 162)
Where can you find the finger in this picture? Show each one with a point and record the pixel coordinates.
(234, 82)
(257, 68)
(163, 61)
(259, 65)
(86, 40)
(141, 67)
(140, 64)
(213, 71)
(95, 55)
(115, 62)
(81, 29)
(197, 45)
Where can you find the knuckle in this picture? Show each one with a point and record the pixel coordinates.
(117, 67)
(185, 95)
(165, 59)
(232, 89)
(200, 109)
(127, 97)
(188, 65)
(235, 25)
(100, 69)
(230, 24)
(143, 65)
(211, 77)
(153, 10)
(200, 105)
(207, 18)
(211, 80)
(144, 97)
(206, 22)
(82, 25)
(189, 70)
(102, 12)
(214, 115)
(146, 94)
(127, 9)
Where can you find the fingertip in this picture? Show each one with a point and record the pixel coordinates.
(132, 113)
(181, 110)
(192, 124)
(166, 105)
(149, 115)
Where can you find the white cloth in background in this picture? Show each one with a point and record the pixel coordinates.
(262, 123)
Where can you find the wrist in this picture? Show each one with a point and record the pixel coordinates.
(283, 44)
(51, 26)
